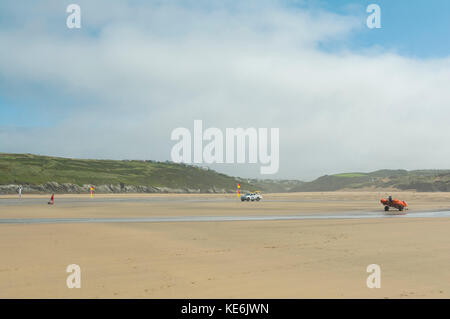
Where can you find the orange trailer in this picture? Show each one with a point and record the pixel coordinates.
(395, 203)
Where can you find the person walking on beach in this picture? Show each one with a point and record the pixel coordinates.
(20, 191)
(52, 200)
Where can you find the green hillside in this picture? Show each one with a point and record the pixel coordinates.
(420, 180)
(28, 169)
(33, 169)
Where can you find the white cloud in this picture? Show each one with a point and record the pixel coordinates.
(150, 68)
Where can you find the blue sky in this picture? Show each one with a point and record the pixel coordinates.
(138, 69)
(417, 28)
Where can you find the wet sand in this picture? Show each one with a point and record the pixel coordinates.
(251, 259)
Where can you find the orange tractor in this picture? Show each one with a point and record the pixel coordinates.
(395, 203)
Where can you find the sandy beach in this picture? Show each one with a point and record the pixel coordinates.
(247, 259)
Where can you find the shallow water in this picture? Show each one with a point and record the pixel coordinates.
(369, 215)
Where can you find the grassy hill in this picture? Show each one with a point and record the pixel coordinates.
(420, 180)
(28, 169)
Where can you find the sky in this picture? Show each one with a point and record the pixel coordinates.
(345, 97)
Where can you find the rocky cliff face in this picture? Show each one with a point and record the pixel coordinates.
(66, 188)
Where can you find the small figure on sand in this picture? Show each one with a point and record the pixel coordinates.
(20, 191)
(52, 200)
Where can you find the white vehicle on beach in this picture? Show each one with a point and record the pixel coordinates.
(251, 197)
